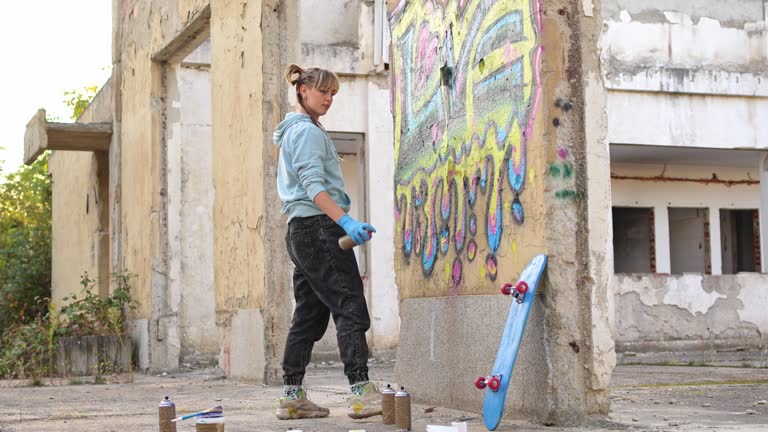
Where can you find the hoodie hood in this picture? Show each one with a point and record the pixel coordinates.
(290, 120)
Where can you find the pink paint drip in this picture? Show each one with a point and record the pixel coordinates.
(437, 133)
(491, 267)
(537, 73)
(459, 82)
(456, 277)
(428, 44)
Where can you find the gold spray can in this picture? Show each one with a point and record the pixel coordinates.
(346, 242)
(403, 410)
(167, 411)
(388, 405)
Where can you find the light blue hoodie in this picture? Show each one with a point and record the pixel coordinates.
(308, 165)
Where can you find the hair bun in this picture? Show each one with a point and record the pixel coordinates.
(293, 73)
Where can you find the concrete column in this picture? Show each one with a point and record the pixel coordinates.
(714, 241)
(661, 232)
(384, 308)
(465, 225)
(280, 47)
(764, 213)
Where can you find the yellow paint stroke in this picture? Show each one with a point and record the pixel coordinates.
(515, 256)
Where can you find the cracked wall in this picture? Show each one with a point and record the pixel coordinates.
(683, 312)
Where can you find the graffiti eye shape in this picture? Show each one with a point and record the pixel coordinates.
(517, 211)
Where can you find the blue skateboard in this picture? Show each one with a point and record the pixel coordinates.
(498, 381)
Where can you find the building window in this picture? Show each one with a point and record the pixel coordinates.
(689, 247)
(740, 240)
(634, 243)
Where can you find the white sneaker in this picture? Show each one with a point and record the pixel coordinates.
(298, 408)
(367, 404)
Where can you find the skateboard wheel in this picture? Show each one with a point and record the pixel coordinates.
(522, 287)
(480, 382)
(506, 289)
(494, 383)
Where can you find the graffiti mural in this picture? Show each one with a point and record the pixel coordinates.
(465, 87)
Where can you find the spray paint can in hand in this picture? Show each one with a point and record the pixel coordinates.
(388, 405)
(403, 410)
(167, 412)
(346, 242)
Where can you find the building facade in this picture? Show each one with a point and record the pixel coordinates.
(687, 113)
(626, 139)
(179, 182)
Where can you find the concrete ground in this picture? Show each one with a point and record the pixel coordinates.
(654, 396)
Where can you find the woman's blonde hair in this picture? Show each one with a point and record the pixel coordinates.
(313, 77)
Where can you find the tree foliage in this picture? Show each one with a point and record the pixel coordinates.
(25, 232)
(78, 100)
(25, 243)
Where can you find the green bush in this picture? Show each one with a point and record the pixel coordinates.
(25, 244)
(28, 350)
(92, 315)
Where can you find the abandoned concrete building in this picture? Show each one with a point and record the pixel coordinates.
(626, 139)
(687, 111)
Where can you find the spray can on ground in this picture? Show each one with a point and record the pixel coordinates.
(167, 411)
(388, 405)
(403, 410)
(212, 421)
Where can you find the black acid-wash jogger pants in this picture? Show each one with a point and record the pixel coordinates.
(326, 282)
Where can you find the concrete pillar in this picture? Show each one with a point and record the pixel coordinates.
(599, 226)
(500, 154)
(661, 232)
(715, 249)
(280, 47)
(764, 213)
(384, 309)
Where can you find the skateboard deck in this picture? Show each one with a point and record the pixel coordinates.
(498, 381)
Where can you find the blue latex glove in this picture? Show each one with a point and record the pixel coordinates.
(360, 232)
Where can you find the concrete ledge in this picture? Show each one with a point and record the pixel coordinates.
(119, 378)
(692, 345)
(195, 32)
(87, 355)
(447, 342)
(42, 135)
(667, 79)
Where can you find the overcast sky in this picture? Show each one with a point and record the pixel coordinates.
(48, 47)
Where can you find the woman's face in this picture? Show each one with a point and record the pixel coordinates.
(317, 101)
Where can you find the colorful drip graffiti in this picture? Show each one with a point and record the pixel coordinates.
(466, 87)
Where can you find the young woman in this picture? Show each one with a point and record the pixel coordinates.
(326, 280)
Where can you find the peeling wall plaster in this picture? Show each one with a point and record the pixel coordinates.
(687, 293)
(653, 312)
(754, 297)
